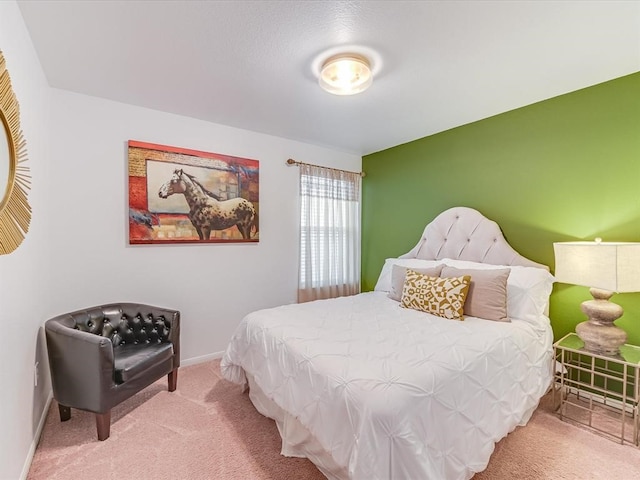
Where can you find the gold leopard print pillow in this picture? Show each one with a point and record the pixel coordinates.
(443, 297)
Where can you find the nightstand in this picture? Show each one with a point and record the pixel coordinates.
(601, 392)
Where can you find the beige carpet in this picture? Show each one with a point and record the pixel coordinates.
(207, 429)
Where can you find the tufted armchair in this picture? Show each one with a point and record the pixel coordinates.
(103, 355)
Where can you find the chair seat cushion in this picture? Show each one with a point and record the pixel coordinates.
(131, 360)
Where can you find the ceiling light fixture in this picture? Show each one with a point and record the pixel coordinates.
(346, 74)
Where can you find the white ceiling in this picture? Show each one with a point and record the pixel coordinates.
(250, 64)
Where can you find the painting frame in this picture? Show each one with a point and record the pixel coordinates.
(184, 196)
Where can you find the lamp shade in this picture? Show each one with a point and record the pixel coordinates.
(613, 266)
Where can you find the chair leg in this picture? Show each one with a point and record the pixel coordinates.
(65, 412)
(103, 424)
(173, 379)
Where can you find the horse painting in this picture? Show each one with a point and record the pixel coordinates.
(206, 211)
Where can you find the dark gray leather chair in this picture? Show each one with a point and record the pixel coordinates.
(103, 355)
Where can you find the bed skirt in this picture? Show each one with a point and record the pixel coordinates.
(297, 441)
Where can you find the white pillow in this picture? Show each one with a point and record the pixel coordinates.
(384, 280)
(528, 289)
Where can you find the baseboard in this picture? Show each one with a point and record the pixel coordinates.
(36, 437)
(204, 358)
(598, 398)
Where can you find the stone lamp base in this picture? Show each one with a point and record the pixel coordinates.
(599, 334)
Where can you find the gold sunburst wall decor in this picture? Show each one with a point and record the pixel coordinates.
(15, 212)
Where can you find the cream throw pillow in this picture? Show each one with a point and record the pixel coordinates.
(398, 274)
(487, 297)
(443, 297)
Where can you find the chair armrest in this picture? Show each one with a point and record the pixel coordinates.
(81, 365)
(173, 318)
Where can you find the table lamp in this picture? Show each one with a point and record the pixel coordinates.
(606, 268)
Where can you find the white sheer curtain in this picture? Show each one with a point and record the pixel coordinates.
(329, 233)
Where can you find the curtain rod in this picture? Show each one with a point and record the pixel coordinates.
(291, 161)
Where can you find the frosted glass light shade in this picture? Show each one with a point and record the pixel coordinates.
(346, 74)
(613, 266)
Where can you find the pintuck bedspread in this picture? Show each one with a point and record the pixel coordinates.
(390, 392)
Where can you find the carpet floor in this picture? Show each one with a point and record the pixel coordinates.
(209, 430)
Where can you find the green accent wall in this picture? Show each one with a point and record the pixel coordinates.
(567, 168)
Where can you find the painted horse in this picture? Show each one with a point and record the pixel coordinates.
(206, 211)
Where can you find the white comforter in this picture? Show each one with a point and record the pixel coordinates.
(392, 393)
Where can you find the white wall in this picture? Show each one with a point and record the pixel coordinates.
(24, 293)
(77, 255)
(213, 285)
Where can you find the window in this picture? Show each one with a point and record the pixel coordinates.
(329, 233)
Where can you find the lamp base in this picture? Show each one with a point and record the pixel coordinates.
(599, 334)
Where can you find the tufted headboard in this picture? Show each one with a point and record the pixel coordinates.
(463, 233)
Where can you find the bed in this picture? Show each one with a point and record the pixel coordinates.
(367, 389)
